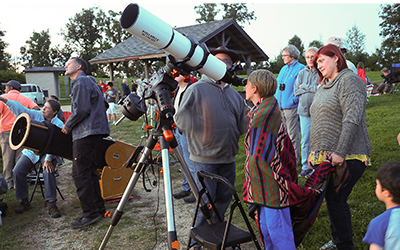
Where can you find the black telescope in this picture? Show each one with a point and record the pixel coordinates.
(141, 23)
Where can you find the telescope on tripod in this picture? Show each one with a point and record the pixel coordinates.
(184, 55)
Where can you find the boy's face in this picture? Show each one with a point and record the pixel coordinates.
(379, 191)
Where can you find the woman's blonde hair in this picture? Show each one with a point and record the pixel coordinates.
(265, 82)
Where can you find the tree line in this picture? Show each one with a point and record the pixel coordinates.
(93, 31)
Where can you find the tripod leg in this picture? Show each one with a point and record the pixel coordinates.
(169, 205)
(125, 197)
(192, 183)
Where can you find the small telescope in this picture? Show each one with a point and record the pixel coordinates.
(141, 23)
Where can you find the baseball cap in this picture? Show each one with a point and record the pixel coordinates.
(13, 83)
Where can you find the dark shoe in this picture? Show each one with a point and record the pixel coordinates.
(304, 173)
(23, 206)
(328, 246)
(102, 212)
(54, 212)
(85, 221)
(190, 198)
(181, 194)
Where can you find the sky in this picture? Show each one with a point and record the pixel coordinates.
(276, 22)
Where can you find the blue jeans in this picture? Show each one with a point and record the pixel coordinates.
(305, 124)
(291, 119)
(276, 228)
(338, 209)
(21, 169)
(183, 146)
(219, 193)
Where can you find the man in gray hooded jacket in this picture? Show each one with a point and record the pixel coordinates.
(212, 115)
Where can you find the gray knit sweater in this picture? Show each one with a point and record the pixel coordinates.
(338, 119)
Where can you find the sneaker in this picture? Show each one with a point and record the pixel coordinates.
(328, 246)
(54, 212)
(23, 206)
(85, 221)
(190, 198)
(304, 173)
(182, 194)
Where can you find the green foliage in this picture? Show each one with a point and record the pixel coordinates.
(7, 75)
(390, 32)
(356, 40)
(207, 12)
(4, 56)
(83, 33)
(237, 11)
(38, 49)
(316, 43)
(296, 41)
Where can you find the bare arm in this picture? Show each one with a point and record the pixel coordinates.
(375, 247)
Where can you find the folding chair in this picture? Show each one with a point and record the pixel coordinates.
(39, 180)
(221, 234)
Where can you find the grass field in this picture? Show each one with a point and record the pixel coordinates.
(383, 126)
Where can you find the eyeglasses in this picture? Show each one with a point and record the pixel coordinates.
(285, 56)
(309, 57)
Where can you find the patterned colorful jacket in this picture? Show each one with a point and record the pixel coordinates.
(270, 167)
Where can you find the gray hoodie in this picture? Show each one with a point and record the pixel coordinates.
(213, 119)
(308, 79)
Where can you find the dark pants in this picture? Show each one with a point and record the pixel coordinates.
(85, 177)
(338, 209)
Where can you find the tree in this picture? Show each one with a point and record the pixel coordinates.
(316, 43)
(237, 11)
(390, 31)
(207, 12)
(4, 56)
(37, 49)
(356, 40)
(115, 34)
(84, 34)
(60, 55)
(296, 41)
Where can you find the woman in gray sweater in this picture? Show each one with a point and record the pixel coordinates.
(338, 134)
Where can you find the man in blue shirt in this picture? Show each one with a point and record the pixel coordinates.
(287, 101)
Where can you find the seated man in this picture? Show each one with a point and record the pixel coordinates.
(384, 87)
(28, 158)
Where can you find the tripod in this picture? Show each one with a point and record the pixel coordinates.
(162, 134)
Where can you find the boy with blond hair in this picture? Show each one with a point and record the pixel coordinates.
(384, 230)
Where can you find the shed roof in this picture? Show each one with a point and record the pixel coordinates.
(225, 32)
(44, 69)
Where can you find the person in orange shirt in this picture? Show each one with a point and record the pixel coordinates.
(10, 157)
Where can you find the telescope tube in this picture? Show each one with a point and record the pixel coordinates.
(141, 23)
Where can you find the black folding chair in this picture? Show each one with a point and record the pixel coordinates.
(221, 234)
(38, 179)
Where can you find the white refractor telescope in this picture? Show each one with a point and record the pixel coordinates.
(141, 23)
